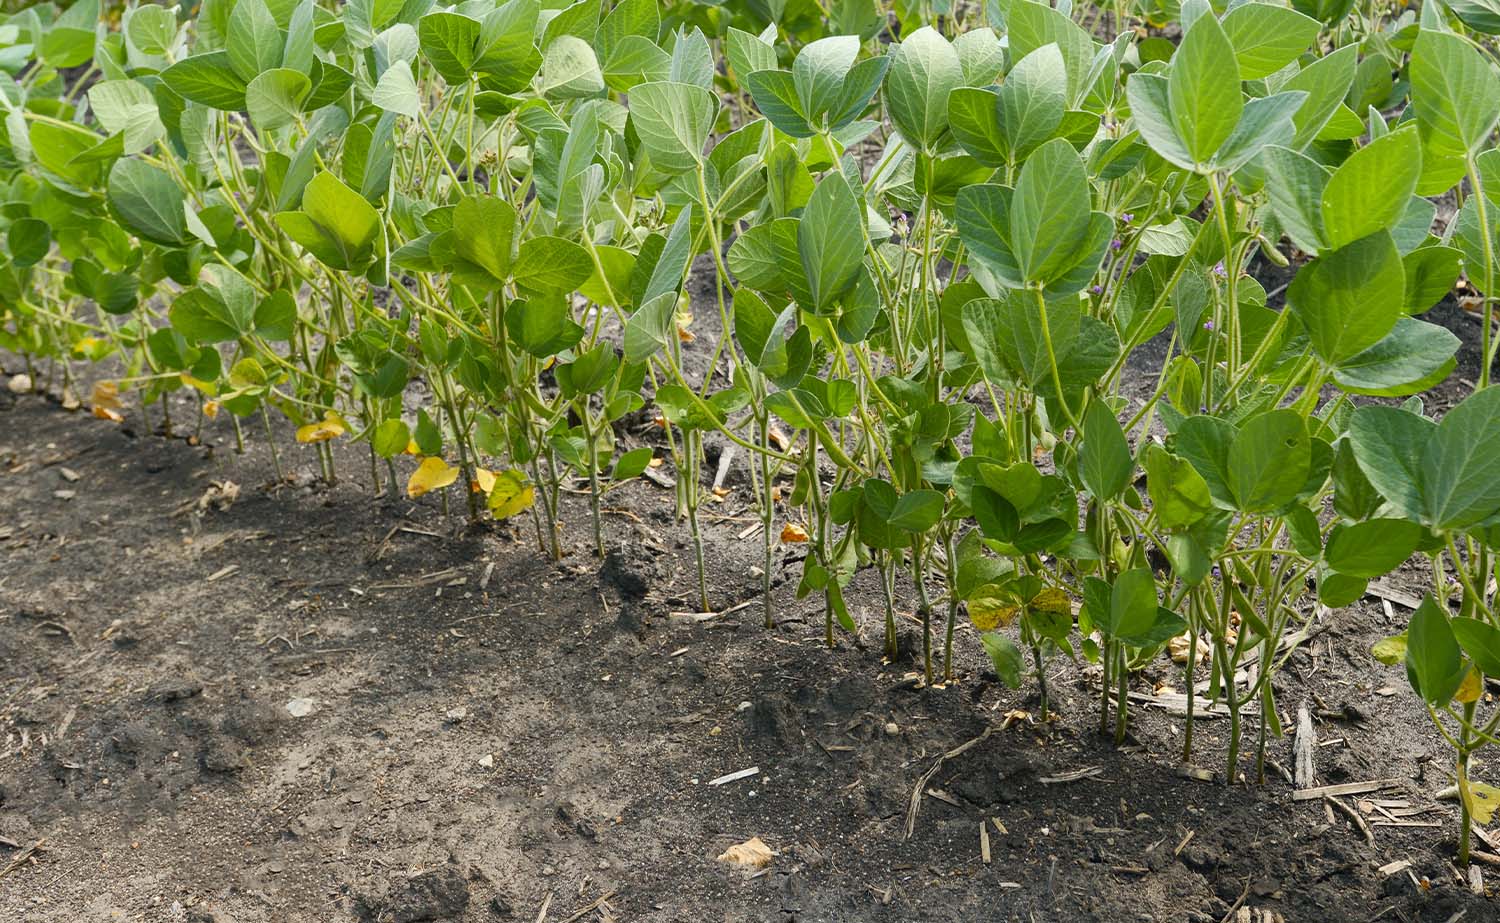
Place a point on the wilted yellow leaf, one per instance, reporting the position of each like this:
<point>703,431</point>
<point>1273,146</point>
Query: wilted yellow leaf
<point>1177,649</point>
<point>749,855</point>
<point>1470,689</point>
<point>106,394</point>
<point>1390,651</point>
<point>432,474</point>
<point>330,427</point>
<point>511,494</point>
<point>484,481</point>
<point>793,533</point>
<point>211,409</point>
<point>1481,798</point>
<point>412,448</point>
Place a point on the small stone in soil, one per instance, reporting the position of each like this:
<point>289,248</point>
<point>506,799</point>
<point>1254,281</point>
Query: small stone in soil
<point>441,894</point>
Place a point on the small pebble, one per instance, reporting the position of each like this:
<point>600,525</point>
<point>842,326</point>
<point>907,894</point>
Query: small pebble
<point>892,729</point>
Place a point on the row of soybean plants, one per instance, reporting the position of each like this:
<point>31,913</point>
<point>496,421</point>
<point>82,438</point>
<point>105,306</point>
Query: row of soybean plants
<point>937,233</point>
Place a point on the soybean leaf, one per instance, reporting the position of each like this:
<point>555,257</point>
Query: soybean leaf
<point>924,70</point>
<point>207,79</point>
<point>254,42</point>
<point>149,201</point>
<point>1203,89</point>
<point>673,121</point>
<point>1371,548</point>
<point>337,225</point>
<point>1179,495</point>
<point>1388,444</point>
<point>1371,189</point>
<point>830,241</point>
<point>396,91</point>
<point>1460,480</point>
<point>1267,38</point>
<point>1032,100</point>
<point>1454,91</point>
<point>1434,664</point>
<point>1104,461</point>
<point>551,264</point>
<point>1270,461</point>
<point>1349,299</point>
<point>274,99</point>
<point>1481,641</point>
<point>1413,357</point>
<point>484,230</point>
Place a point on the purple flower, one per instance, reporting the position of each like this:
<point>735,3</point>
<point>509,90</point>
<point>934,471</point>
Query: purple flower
<point>1219,269</point>
<point>1097,289</point>
<point>1216,571</point>
<point>1116,244</point>
<point>1208,325</point>
<point>1127,217</point>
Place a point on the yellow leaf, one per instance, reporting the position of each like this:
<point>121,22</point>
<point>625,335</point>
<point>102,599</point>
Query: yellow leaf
<point>793,533</point>
<point>1053,600</point>
<point>211,409</point>
<point>1482,800</point>
<point>989,612</point>
<point>107,395</point>
<point>412,448</point>
<point>511,494</point>
<point>484,481</point>
<point>330,427</point>
<point>432,474</point>
<point>1470,689</point>
<point>749,855</point>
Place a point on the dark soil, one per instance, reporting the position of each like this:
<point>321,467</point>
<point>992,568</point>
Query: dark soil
<point>485,735</point>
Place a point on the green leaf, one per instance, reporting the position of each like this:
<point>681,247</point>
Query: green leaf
<point>1430,274</point>
<point>818,75</point>
<point>543,326</point>
<point>1132,605</point>
<point>1388,444</point>
<point>552,264</point>
<point>1151,110</point>
<point>1434,664</point>
<point>1032,101</point>
<point>274,99</point>
<point>1270,461</point>
<point>337,225</point>
<point>396,91</point>
<point>974,117</point>
<point>254,42</point>
<point>775,95</point>
<point>1005,657</point>
<point>1295,183</point>
<point>451,42</point>
<point>745,53</point>
<point>207,79</point>
<point>1454,91</point>
<point>149,201</point>
<point>1325,81</point>
<point>1349,299</point>
<point>1032,25</point>
<point>651,328</point>
<point>1481,641</point>
<point>831,241</point>
<point>28,241</point>
<point>1104,460</point>
<point>1179,495</point>
<point>1372,548</point>
<point>570,70</point>
<point>1204,89</point>
<point>484,231</point>
<point>917,511</point>
<point>1460,479</point>
<point>1413,357</point>
<point>924,70</point>
<point>1267,38</point>
<point>1049,212</point>
<point>1370,191</point>
<point>673,121</point>
<point>127,106</point>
